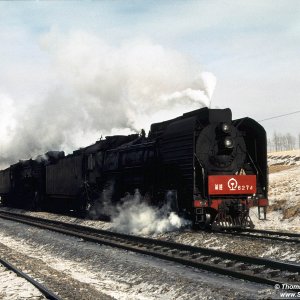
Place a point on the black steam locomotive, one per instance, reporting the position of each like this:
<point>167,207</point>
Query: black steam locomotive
<point>214,167</point>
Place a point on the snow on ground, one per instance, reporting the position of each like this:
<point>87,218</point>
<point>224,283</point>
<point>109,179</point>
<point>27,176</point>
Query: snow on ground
<point>218,241</point>
<point>125,275</point>
<point>283,214</point>
<point>122,274</point>
<point>14,287</point>
<point>284,193</point>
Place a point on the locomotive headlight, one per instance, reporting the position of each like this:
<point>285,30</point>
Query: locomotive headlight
<point>225,128</point>
<point>228,142</point>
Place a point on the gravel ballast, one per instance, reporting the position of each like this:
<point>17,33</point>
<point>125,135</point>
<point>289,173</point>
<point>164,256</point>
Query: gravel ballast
<point>116,273</point>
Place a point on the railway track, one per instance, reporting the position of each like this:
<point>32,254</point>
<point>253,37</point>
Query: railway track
<point>287,237</point>
<point>253,269</point>
<point>44,290</point>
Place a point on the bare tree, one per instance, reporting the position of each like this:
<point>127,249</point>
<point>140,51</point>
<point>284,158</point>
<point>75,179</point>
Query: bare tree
<point>270,145</point>
<point>282,142</point>
<point>275,141</point>
<point>290,141</point>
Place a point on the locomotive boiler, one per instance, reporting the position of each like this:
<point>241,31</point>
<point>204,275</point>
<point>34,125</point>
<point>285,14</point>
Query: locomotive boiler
<point>214,168</point>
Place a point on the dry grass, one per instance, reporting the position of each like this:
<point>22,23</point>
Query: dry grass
<point>278,205</point>
<point>291,212</point>
<point>289,152</point>
<point>279,168</point>
<point>287,212</point>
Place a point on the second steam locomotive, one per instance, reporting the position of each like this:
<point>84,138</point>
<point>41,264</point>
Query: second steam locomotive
<point>214,168</point>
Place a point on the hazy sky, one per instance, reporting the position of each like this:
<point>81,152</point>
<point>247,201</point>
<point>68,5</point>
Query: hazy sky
<point>50,51</point>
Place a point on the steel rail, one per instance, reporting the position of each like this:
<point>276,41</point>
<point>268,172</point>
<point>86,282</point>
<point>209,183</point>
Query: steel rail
<point>266,234</point>
<point>48,294</point>
<point>253,269</point>
<point>281,233</point>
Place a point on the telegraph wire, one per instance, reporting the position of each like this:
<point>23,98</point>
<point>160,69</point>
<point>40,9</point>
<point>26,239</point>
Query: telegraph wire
<point>279,116</point>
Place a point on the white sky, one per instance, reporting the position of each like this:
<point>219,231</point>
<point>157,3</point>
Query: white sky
<point>252,47</point>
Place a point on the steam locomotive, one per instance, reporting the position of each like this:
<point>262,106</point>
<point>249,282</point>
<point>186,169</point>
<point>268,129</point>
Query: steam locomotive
<point>214,168</point>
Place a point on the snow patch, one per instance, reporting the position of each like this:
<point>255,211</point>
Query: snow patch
<point>284,194</point>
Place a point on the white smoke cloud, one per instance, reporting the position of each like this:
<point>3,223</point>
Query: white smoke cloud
<point>209,83</point>
<point>7,126</point>
<point>135,216</point>
<point>100,89</point>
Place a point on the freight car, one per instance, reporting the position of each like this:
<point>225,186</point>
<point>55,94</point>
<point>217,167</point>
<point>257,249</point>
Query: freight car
<point>214,168</point>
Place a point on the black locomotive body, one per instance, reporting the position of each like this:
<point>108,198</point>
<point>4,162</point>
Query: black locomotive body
<point>22,183</point>
<point>214,168</point>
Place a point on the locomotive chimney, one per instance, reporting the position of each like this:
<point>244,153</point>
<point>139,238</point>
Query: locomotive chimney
<point>220,115</point>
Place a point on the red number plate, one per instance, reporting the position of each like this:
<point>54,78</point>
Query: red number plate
<point>227,184</point>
